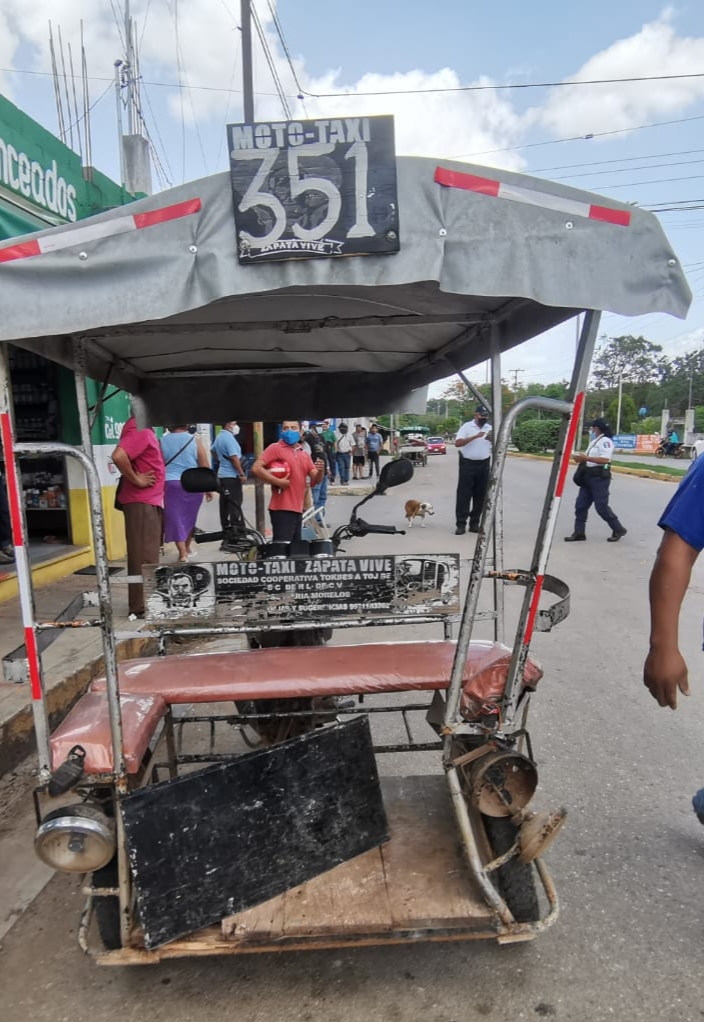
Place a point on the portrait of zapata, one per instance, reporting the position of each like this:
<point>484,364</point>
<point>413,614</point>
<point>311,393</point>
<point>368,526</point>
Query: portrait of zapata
<point>182,590</point>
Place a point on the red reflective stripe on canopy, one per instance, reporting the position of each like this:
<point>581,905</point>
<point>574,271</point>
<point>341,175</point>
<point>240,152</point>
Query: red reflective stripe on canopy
<point>21,251</point>
<point>610,216</point>
<point>469,182</point>
<point>160,216</point>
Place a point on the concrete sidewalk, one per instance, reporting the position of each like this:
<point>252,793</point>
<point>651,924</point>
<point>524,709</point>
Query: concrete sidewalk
<point>76,656</point>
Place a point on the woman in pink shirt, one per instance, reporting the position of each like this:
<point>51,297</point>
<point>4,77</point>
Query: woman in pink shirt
<point>140,462</point>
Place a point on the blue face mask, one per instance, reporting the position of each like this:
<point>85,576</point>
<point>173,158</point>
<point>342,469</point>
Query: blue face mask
<point>290,436</point>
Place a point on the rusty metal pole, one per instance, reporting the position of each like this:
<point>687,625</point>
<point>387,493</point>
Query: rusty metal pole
<point>248,111</point>
<point>259,517</point>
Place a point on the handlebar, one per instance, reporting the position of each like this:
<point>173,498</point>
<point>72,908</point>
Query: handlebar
<point>388,530</point>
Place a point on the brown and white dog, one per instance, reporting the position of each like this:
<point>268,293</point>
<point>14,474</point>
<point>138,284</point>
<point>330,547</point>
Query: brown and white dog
<point>417,509</point>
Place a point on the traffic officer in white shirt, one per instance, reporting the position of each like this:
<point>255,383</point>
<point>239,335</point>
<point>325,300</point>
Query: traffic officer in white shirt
<point>595,482</point>
<point>474,445</point>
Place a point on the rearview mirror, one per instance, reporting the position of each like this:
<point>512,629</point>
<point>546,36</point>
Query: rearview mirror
<point>199,480</point>
<point>394,473</point>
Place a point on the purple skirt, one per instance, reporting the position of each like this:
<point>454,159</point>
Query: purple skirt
<point>180,512</point>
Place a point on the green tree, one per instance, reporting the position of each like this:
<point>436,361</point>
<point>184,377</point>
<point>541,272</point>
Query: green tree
<point>629,414</point>
<point>631,359</point>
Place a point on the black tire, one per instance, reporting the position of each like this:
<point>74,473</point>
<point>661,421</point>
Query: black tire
<point>515,880</point>
<point>107,910</point>
<point>660,452</point>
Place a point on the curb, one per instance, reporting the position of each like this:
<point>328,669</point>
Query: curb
<point>642,473</point>
<point>350,491</point>
<point>17,739</point>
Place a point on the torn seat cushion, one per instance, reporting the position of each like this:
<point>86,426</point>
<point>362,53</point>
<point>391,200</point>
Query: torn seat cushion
<point>88,725</point>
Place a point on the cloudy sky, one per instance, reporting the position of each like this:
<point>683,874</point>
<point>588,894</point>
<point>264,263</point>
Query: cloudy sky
<point>646,141</point>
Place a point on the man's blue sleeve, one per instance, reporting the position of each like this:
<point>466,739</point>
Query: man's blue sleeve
<point>685,512</point>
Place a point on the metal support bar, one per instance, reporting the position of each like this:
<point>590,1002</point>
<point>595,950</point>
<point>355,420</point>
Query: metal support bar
<point>15,666</point>
<point>477,571</point>
<point>548,520</point>
<point>476,393</point>
<point>103,580</point>
<point>292,326</point>
<point>497,533</point>
<point>24,574</point>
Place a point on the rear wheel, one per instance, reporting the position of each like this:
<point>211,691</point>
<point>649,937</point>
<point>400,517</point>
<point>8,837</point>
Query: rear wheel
<point>515,880</point>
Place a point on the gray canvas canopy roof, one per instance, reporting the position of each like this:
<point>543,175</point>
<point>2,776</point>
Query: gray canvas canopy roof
<point>166,311</point>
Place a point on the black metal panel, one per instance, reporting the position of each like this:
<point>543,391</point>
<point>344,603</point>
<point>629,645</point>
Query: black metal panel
<point>314,189</point>
<point>229,837</point>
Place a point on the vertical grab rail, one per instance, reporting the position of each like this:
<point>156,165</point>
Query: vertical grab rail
<point>24,574</point>
<point>548,521</point>
<point>481,550</point>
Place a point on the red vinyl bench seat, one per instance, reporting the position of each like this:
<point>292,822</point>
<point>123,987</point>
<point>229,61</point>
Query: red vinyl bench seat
<point>149,685</point>
<point>88,725</point>
<point>296,672</point>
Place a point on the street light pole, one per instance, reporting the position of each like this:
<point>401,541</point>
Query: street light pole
<point>620,396</point>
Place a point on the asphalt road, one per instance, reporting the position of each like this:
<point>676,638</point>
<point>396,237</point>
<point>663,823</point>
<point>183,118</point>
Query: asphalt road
<point>629,865</point>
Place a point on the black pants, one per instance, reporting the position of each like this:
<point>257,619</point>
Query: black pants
<point>230,503</point>
<point>594,491</point>
<point>285,526</point>
<point>373,457</point>
<point>471,490</point>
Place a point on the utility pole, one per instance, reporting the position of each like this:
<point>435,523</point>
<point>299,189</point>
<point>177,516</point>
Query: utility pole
<point>620,398</point>
<point>135,165</point>
<point>515,377</point>
<point>248,112</point>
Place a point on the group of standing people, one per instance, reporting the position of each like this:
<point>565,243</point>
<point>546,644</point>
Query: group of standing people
<point>156,507</point>
<point>359,450</point>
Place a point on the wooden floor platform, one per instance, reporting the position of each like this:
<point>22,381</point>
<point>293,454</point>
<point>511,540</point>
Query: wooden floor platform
<point>415,887</point>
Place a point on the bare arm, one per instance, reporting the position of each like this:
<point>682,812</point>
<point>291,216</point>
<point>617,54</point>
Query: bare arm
<point>315,477</point>
<point>665,671</point>
<point>140,479</point>
<point>202,452</point>
<point>203,461</point>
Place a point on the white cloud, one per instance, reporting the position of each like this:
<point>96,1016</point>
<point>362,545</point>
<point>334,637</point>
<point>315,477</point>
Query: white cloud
<point>655,50</point>
<point>439,124</point>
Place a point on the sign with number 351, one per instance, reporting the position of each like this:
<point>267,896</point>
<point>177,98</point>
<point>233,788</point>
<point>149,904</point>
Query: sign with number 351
<point>314,189</point>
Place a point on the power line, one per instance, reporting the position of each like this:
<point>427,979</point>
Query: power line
<point>657,181</point>
<point>513,85</point>
<point>620,159</point>
<point>270,61</point>
<point>284,46</point>
<point>628,170</point>
<point>578,138</point>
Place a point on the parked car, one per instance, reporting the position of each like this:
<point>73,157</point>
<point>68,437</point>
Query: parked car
<point>696,449</point>
<point>436,445</point>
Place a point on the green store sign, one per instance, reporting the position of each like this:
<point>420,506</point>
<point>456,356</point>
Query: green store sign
<point>45,175</point>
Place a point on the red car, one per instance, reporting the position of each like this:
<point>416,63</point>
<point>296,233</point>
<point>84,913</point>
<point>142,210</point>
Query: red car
<point>436,445</point>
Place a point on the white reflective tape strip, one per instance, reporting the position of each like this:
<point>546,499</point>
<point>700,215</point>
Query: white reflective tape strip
<point>84,235</point>
<point>22,570</point>
<point>544,199</point>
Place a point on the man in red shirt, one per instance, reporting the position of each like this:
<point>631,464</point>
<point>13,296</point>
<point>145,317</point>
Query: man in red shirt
<point>139,459</point>
<point>288,495</point>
